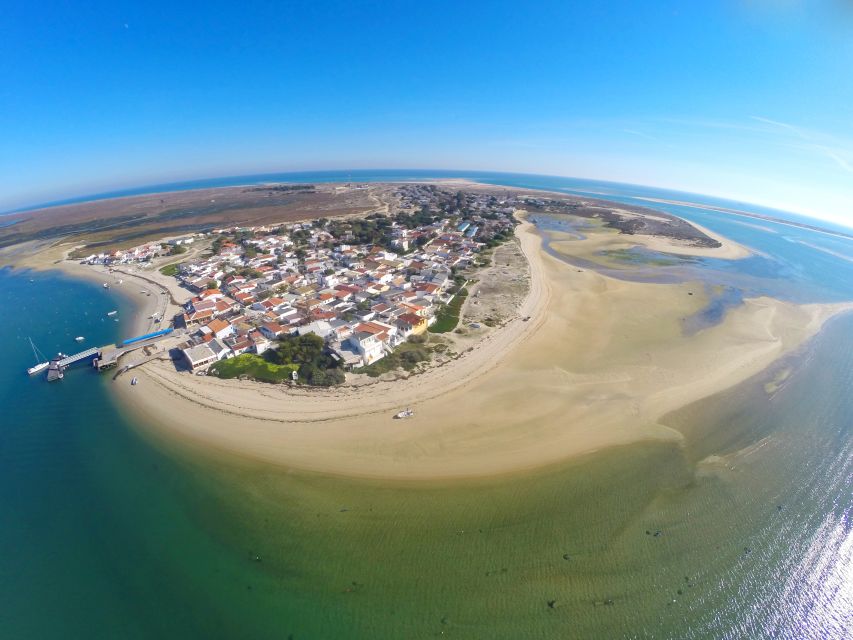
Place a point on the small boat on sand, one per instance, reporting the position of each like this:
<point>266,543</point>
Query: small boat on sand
<point>134,381</point>
<point>405,413</point>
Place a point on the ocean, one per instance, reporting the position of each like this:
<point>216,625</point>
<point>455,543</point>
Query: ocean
<point>108,530</point>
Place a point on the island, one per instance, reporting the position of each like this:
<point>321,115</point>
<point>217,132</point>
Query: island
<point>308,319</point>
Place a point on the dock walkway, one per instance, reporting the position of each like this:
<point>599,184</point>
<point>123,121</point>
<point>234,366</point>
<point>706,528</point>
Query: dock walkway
<point>88,353</point>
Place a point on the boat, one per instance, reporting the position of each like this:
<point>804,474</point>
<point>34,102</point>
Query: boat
<point>106,286</point>
<point>79,338</point>
<point>55,370</point>
<point>120,281</point>
<point>405,413</point>
<point>41,362</point>
<point>111,313</point>
<point>41,366</point>
<point>134,381</point>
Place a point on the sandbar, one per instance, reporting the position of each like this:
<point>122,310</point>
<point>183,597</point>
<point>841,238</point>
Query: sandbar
<point>598,364</point>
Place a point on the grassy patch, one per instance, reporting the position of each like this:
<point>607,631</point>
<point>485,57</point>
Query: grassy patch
<point>253,366</point>
<point>406,356</point>
<point>636,256</point>
<point>169,270</point>
<point>448,317</point>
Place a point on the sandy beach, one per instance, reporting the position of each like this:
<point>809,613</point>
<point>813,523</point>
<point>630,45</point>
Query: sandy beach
<point>600,362</point>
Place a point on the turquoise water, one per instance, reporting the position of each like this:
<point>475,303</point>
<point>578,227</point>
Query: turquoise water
<point>107,531</point>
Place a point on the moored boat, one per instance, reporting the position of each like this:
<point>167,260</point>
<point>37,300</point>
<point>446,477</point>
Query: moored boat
<point>41,363</point>
<point>406,413</point>
<point>41,366</point>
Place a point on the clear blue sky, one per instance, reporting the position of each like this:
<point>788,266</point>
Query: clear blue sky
<point>751,100</point>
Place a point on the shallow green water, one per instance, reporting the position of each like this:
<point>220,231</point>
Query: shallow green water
<point>757,544</point>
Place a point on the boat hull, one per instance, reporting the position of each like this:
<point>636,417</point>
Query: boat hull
<point>38,368</point>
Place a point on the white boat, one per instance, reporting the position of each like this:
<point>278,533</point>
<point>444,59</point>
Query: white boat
<point>41,366</point>
<point>405,413</point>
<point>41,363</point>
<point>106,286</point>
<point>111,313</point>
<point>79,338</point>
<point>120,281</point>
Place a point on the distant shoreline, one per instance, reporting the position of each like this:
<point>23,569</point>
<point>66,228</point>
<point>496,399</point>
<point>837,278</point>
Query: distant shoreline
<point>756,216</point>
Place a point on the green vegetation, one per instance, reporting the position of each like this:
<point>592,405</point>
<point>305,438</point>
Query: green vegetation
<point>499,238</point>
<point>170,269</point>
<point>308,354</point>
<point>448,316</point>
<point>252,366</point>
<point>636,257</point>
<point>406,356</point>
<point>374,229</point>
<point>304,354</point>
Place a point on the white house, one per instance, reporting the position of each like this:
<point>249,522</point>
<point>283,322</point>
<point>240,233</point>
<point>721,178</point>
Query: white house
<point>368,347</point>
<point>199,357</point>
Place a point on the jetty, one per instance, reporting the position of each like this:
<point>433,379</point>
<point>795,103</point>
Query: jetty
<point>107,357</point>
<point>88,353</point>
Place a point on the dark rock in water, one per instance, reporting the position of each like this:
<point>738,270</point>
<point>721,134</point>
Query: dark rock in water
<point>344,510</point>
<point>658,533</point>
<point>566,556</point>
<point>445,621</point>
<point>648,533</point>
<point>778,507</point>
<point>552,604</point>
<point>747,550</point>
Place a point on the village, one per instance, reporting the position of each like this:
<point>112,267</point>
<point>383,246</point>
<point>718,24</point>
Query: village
<point>308,301</point>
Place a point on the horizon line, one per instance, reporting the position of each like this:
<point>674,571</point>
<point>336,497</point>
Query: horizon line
<point>253,179</point>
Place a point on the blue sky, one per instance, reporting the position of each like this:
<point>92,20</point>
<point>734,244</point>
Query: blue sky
<point>748,100</point>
